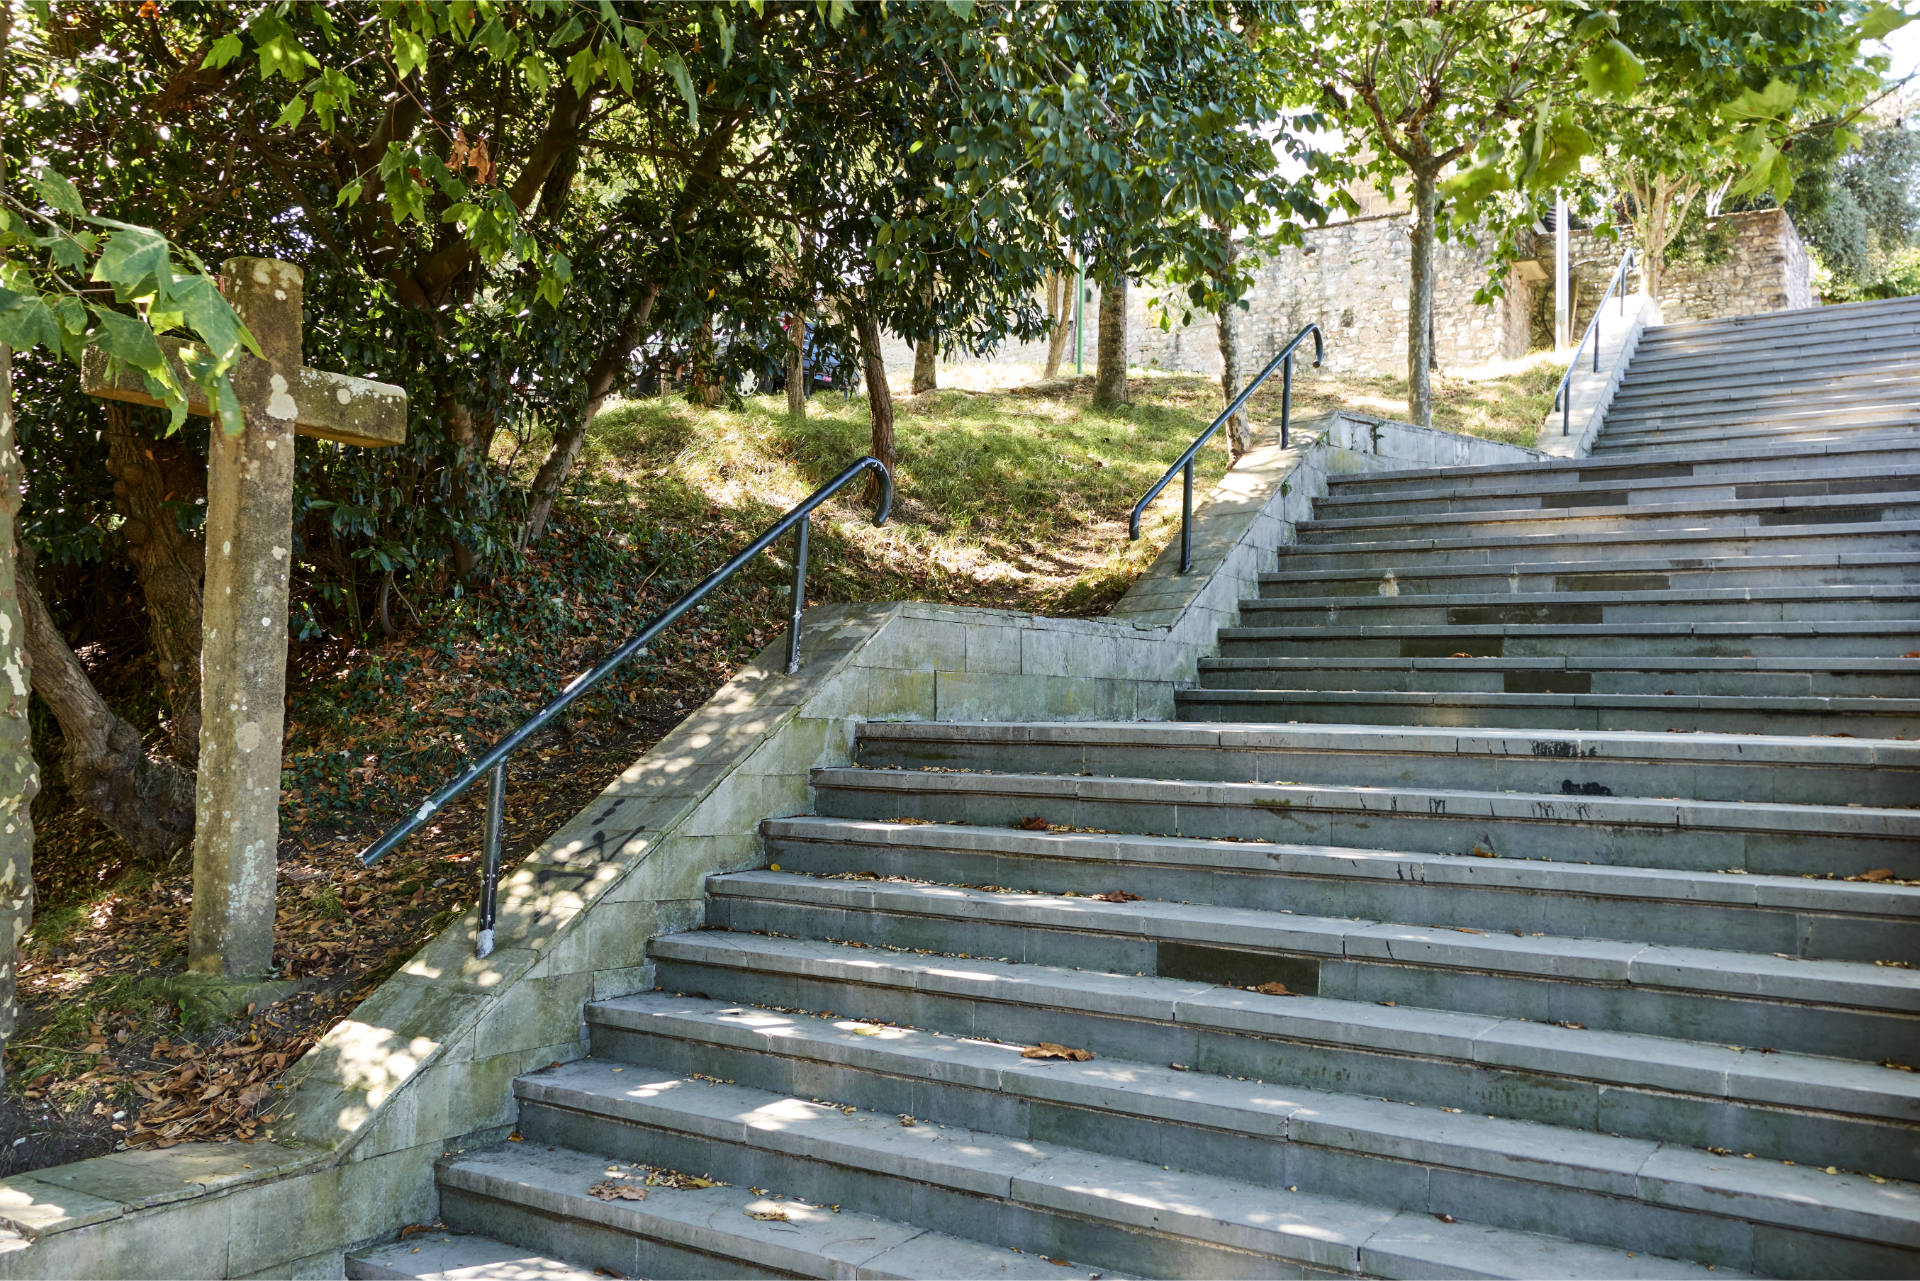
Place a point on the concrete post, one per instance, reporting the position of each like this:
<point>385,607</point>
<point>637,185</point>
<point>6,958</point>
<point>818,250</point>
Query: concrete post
<point>1562,293</point>
<point>244,636</point>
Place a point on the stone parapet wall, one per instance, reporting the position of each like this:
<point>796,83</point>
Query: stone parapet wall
<point>1757,263</point>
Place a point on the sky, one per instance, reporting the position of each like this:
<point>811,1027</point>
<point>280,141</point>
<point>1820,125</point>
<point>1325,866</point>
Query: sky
<point>1904,46</point>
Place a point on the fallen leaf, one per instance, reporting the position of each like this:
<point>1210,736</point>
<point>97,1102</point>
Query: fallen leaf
<point>1275,989</point>
<point>1034,824</point>
<point>768,1216</point>
<point>412,1228</point>
<point>1445,1218</point>
<point>609,1190</point>
<point>1050,1050</point>
<point>604,1271</point>
<point>1878,874</point>
<point>1115,896</point>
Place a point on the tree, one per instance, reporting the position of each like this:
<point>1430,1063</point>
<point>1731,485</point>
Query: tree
<point>1734,99</point>
<point>1859,209</point>
<point>1420,87</point>
<point>1060,304</point>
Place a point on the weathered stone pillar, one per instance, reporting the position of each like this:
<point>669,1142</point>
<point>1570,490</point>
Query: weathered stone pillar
<point>244,646</point>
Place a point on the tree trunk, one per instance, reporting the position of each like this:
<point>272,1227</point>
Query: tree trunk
<point>1653,256</point>
<point>926,364</point>
<point>472,437</point>
<point>879,395</point>
<point>1240,427</point>
<point>1059,319</point>
<point>601,378</point>
<point>797,364</point>
<point>703,383</point>
<point>19,779</point>
<point>1426,203</point>
<point>151,479</point>
<point>1110,376</point>
<point>146,800</point>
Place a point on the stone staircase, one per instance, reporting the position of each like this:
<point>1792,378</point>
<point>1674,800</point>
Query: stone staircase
<point>1525,890</point>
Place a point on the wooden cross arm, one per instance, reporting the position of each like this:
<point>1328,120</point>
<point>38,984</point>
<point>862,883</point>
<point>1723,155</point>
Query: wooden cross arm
<point>324,405</point>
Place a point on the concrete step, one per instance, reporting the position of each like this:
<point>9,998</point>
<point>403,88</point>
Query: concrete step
<point>1711,387</point>
<point>1399,554</point>
<point>1568,491</point>
<point>1872,638</point>
<point>1827,919</point>
<point>1681,833</point>
<point>1715,677</point>
<point>1729,767</point>
<point>1061,1201</point>
<point>1897,506</point>
<point>1712,604</point>
<point>1844,1009</point>
<point>1859,349</point>
<point>1757,431</point>
<point>1678,713</point>
<point>1651,573</point>
<point>721,1231</point>
<point>1131,1108</point>
<point>458,1256</point>
<point>1760,324</point>
<point>1837,408</point>
<point>1742,463</point>
<point>1513,1174</point>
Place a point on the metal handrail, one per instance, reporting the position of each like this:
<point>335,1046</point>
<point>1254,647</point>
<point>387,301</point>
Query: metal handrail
<point>1562,398</point>
<point>1283,361</point>
<point>493,761</point>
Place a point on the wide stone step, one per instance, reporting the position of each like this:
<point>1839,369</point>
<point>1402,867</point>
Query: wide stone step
<point>1652,573</point>
<point>1842,1008</point>
<point>1829,919</point>
<point>1712,387</point>
<point>1721,604</point>
<point>1739,462</point>
<point>1570,549</point>
<point>1126,1108</point>
<point>1041,1198</point>
<point>1897,402</point>
<point>1748,836</point>
<point>1732,767</point>
<point>1872,638</point>
<point>1756,431</point>
<point>1899,506</point>
<point>1569,491</point>
<point>721,1231</point>
<point>1861,348</point>
<point>1782,333</point>
<point>1850,678</point>
<point>1518,1175</point>
<point>1760,324</point>
<point>1677,713</point>
<point>458,1256</point>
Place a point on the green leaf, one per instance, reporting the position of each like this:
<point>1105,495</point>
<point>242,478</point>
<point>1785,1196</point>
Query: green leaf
<point>534,68</point>
<point>1880,21</point>
<point>678,70</point>
<point>1771,103</point>
<point>409,50</point>
<point>27,321</point>
<point>58,192</point>
<point>349,193</point>
<point>125,338</point>
<point>1611,70</point>
<point>291,114</point>
<point>225,50</point>
<point>211,318</point>
<point>279,51</point>
<point>135,262</point>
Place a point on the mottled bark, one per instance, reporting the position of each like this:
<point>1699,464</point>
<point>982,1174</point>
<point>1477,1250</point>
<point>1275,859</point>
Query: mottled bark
<point>602,377</point>
<point>1240,428</point>
<point>797,364</point>
<point>1110,375</point>
<point>19,778</point>
<point>703,382</point>
<point>926,365</point>
<point>152,479</point>
<point>1059,319</point>
<point>879,394</point>
<point>472,435</point>
<point>1426,204</point>
<point>146,800</point>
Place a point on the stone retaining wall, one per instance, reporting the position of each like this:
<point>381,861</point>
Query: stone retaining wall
<point>427,1062</point>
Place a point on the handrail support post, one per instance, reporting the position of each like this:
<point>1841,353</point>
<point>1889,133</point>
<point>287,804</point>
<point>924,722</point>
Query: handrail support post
<point>799,595</point>
<point>1186,517</point>
<point>490,873</point>
<point>1286,398</point>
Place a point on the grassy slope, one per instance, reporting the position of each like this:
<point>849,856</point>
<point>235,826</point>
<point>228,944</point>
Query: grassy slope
<point>1014,498</point>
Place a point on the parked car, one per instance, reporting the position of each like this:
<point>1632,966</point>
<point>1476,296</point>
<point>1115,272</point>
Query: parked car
<point>827,365</point>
